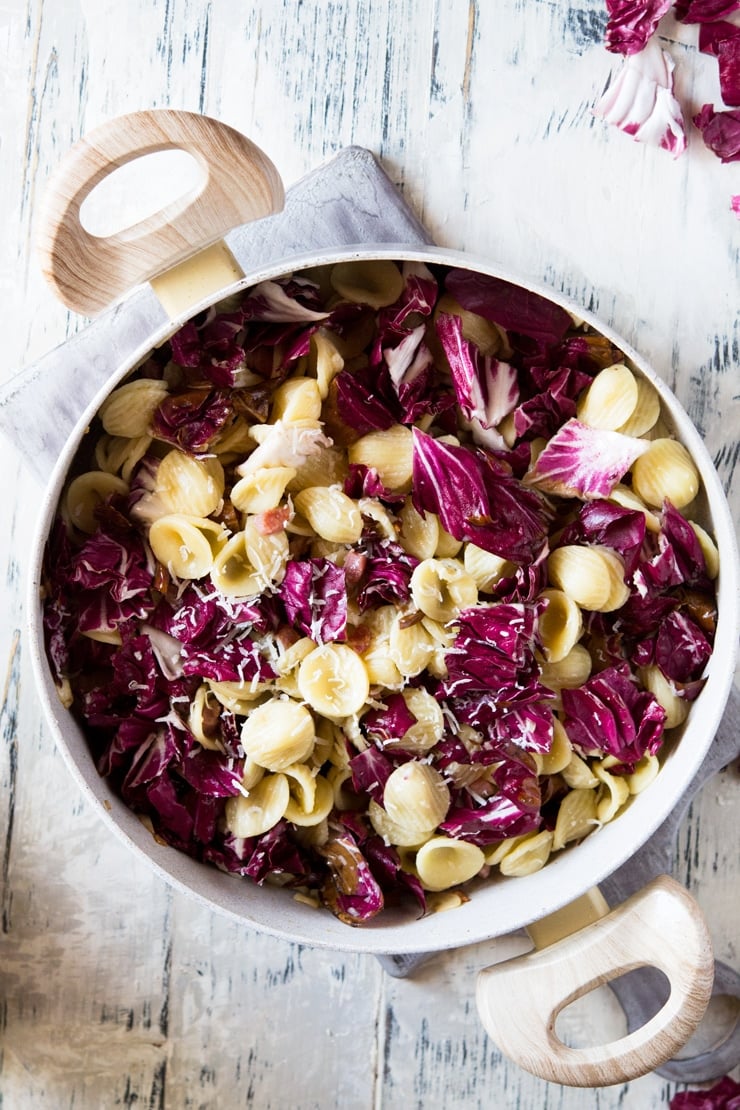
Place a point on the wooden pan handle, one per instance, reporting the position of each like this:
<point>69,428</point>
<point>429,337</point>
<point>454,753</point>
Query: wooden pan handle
<point>660,926</point>
<point>88,272</point>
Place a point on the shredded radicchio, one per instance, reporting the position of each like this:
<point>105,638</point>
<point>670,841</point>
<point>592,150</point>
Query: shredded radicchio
<point>163,672</point>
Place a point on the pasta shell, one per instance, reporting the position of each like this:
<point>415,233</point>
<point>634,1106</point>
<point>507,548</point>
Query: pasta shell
<point>610,400</point>
<point>334,681</point>
<point>88,491</point>
<point>416,796</point>
<point>390,452</point>
<point>440,588</point>
<point>665,471</point>
<point>676,708</point>
<point>443,862</point>
<point>189,485</point>
<point>645,413</point>
<point>278,733</point>
<point>331,514</point>
<point>528,855</point>
<point>262,808</point>
<point>186,545</point>
<point>592,576</point>
<point>560,626</point>
<point>296,399</point>
<point>128,411</point>
<point>376,283</point>
<point>576,818</point>
<point>419,534</point>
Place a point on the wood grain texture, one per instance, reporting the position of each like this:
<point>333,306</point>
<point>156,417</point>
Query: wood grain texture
<point>115,991</point>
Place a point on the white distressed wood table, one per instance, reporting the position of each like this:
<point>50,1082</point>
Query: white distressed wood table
<point>114,991</point>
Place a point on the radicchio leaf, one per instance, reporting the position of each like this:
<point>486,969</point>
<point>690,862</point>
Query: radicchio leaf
<point>603,522</point>
<point>477,500</point>
<point>704,11</point>
<point>641,103</point>
<point>191,419</point>
<point>486,389</point>
<point>611,715</point>
<point>581,461</point>
<point>681,648</point>
<point>513,811</point>
<point>632,22</point>
<point>315,598</point>
<point>724,1095</point>
<point>720,131</point>
<point>510,306</point>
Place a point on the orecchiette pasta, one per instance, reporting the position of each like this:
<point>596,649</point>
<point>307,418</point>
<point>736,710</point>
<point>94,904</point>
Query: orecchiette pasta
<point>331,513</point>
<point>576,817</point>
<point>325,360</point>
<point>593,577</point>
<point>87,492</point>
<point>440,588</point>
<point>250,562</point>
<point>610,400</point>
<point>333,680</point>
<point>278,733</point>
<point>676,708</point>
<point>665,471</point>
<point>187,545</point>
<point>376,283</point>
<point>258,809</point>
<point>416,797</point>
<point>389,452</point>
<point>188,485</point>
<point>130,408</point>
<point>443,862</point>
<point>262,490</point>
<point>560,625</point>
<point>529,854</point>
<point>419,534</point>
<point>645,413</point>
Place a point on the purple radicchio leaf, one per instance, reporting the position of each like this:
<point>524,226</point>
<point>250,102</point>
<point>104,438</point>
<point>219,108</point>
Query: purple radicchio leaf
<point>704,11</point>
<point>211,773</point>
<point>510,306</point>
<point>632,22</point>
<point>172,818</point>
<point>553,402</point>
<point>477,499</point>
<point>640,101</point>
<point>486,389</point>
<point>274,853</point>
<point>724,1095</point>
<point>385,574</point>
<point>314,594</point>
<point>712,34</point>
<point>191,419</point>
<point>681,648</point>
<point>604,523</point>
<point>686,548</point>
<point>388,722</point>
<point>364,481</point>
<point>720,131</point>
<point>611,715</point>
<point>512,811</point>
<point>581,461</point>
<point>239,659</point>
<point>359,405</point>
<point>350,891</point>
<point>370,772</point>
<point>287,301</point>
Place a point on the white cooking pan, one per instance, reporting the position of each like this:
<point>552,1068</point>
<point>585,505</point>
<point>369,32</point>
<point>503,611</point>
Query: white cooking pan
<point>182,253</point>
